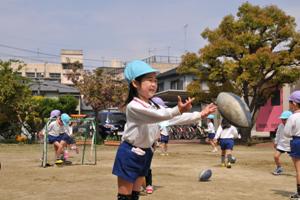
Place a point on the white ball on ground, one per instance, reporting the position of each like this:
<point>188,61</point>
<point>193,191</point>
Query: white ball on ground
<point>205,175</point>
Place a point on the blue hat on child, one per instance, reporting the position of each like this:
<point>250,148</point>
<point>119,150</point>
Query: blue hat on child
<point>210,116</point>
<point>137,68</point>
<point>286,114</point>
<point>65,118</point>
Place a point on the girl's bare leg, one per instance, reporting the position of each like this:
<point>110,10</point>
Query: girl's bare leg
<point>124,187</point>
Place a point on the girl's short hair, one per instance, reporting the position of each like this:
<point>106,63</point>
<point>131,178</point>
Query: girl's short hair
<point>225,123</point>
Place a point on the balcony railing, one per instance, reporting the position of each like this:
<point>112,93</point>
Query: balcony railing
<point>163,59</point>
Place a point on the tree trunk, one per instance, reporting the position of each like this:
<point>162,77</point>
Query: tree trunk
<point>246,136</point>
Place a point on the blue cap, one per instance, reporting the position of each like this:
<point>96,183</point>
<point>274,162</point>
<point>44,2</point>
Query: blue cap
<point>295,96</point>
<point>65,118</point>
<point>210,116</point>
<point>137,68</point>
<point>286,114</point>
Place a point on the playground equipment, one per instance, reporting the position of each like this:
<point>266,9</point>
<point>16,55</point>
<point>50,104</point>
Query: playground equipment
<point>84,133</point>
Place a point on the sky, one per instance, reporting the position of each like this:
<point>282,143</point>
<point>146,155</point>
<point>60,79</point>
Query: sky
<point>108,30</point>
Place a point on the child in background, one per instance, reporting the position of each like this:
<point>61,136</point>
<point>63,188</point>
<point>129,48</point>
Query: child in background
<point>54,114</point>
<point>226,133</point>
<point>147,183</point>
<point>211,132</point>
<point>292,130</point>
<point>58,135</point>
<point>72,141</point>
<point>164,138</point>
<point>281,142</point>
<point>134,154</point>
<point>164,133</point>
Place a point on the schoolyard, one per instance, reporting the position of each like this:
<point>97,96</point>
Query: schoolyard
<point>174,176</point>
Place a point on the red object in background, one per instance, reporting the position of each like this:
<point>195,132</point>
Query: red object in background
<point>268,116</point>
<point>78,116</point>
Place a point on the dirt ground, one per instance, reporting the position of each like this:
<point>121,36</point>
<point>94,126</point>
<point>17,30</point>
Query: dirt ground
<point>174,176</point>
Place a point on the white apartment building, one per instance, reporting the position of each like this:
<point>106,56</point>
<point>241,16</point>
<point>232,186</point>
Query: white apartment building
<point>53,71</point>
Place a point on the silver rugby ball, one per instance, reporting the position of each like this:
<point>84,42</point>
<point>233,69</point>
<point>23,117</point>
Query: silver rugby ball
<point>205,175</point>
<point>234,109</point>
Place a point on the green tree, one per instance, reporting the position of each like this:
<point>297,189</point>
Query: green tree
<point>36,119</point>
<point>15,98</point>
<point>68,104</point>
<point>46,105</point>
<point>100,90</point>
<point>42,107</point>
<point>251,54</point>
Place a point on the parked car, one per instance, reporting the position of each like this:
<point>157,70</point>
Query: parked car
<point>111,123</point>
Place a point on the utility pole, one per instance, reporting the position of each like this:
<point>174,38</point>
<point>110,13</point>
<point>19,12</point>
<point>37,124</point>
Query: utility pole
<point>79,105</point>
<point>39,87</point>
<point>38,82</point>
<point>185,36</point>
<point>168,54</point>
<point>45,69</point>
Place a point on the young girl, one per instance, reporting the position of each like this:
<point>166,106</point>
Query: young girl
<point>281,142</point>
<point>58,135</point>
<point>134,153</point>
<point>164,133</point>
<point>211,132</point>
<point>292,130</point>
<point>164,140</point>
<point>226,132</point>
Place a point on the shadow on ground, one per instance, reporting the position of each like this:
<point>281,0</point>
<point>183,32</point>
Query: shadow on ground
<point>282,193</point>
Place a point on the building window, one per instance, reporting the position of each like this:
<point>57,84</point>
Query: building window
<point>39,75</point>
<point>30,74</point>
<point>55,75</point>
<point>72,65</point>
<point>177,85</point>
<point>275,99</point>
<point>160,87</point>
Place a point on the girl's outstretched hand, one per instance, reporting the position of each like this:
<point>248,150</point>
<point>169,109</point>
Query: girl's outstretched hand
<point>211,108</point>
<point>186,106</point>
